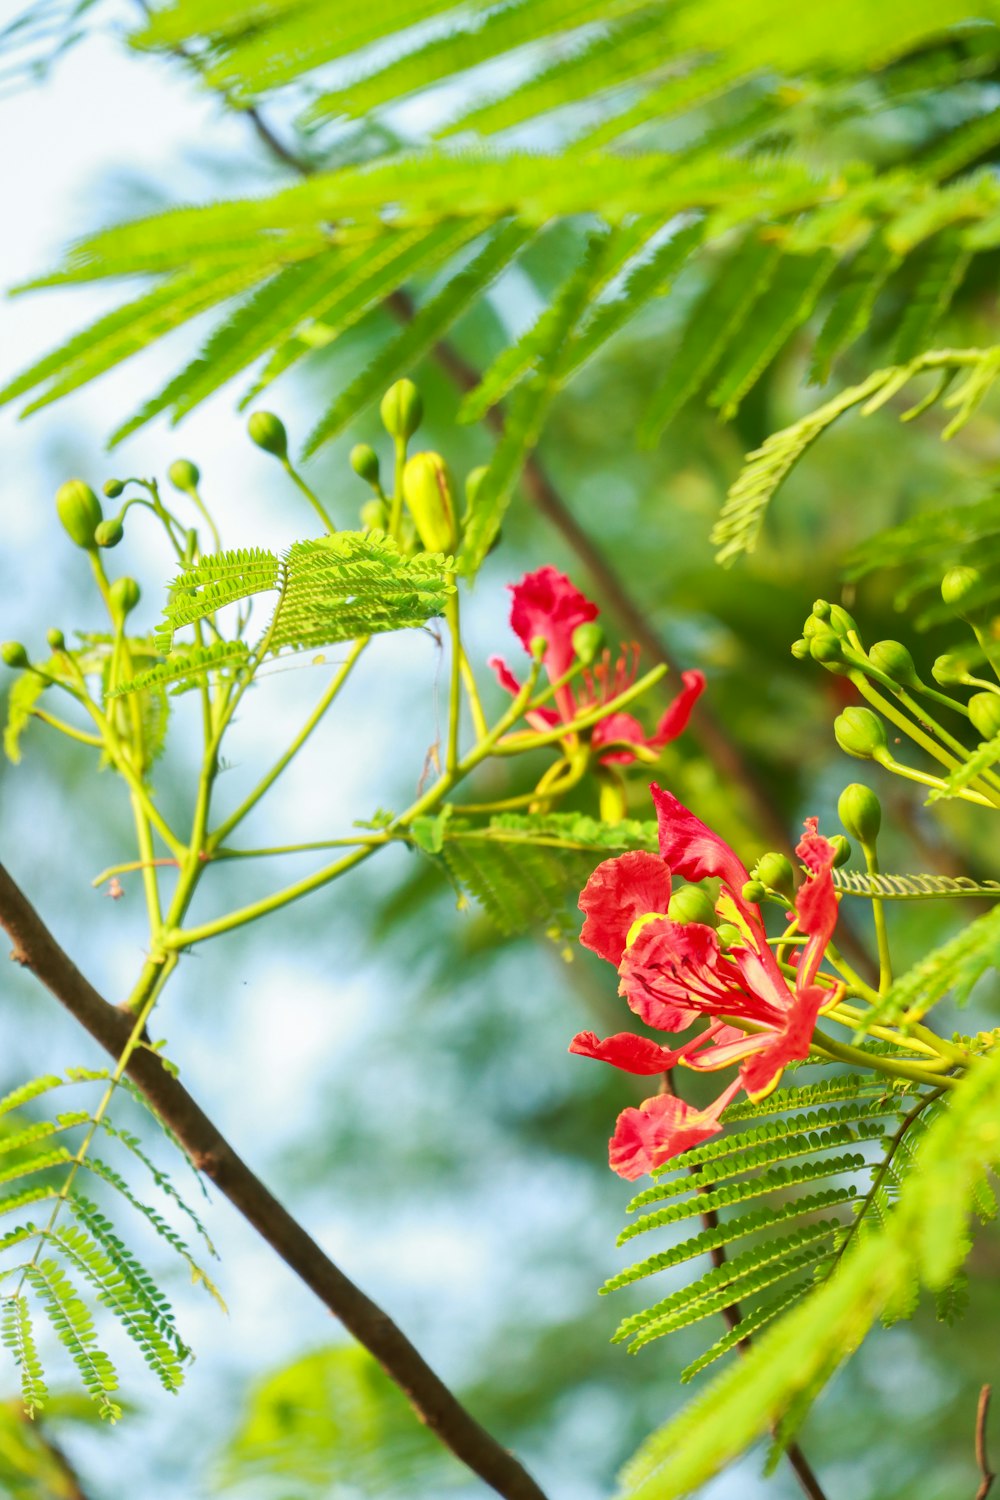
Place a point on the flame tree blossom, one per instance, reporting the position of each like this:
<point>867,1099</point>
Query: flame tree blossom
<point>546,605</point>
<point>675,974</point>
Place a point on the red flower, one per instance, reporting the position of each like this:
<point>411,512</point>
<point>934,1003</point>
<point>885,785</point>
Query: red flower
<point>546,604</point>
<point>673,974</point>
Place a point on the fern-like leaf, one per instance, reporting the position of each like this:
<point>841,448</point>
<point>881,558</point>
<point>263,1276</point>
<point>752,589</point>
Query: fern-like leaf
<point>18,1337</point>
<point>911,887</point>
<point>68,1314</point>
<point>185,668</point>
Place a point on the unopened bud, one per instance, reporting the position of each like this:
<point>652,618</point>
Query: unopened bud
<point>125,595</point>
<point>113,488</point>
<point>364,462</point>
<point>859,732</point>
<point>984,712</point>
<point>841,850</point>
<point>402,410</point>
<point>775,870</point>
<point>268,432</point>
<point>56,639</point>
<point>13,654</point>
<point>79,510</point>
<point>374,515</point>
<point>800,649</point>
<point>729,936</point>
<point>860,812</point>
<point>109,533</point>
<point>428,495</point>
<point>948,671</point>
<point>537,647</point>
<point>184,475</point>
<point>957,584</point>
<point>689,903</point>
<point>826,646</point>
<point>754,891</point>
<point>588,641</point>
<point>892,659</point>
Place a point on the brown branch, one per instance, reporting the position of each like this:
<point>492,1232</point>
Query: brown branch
<point>37,950</point>
<point>982,1413</point>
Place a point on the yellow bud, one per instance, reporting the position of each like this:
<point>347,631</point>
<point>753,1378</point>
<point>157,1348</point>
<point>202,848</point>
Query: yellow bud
<point>428,495</point>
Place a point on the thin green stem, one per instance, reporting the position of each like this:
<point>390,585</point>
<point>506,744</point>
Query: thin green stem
<point>922,778</point>
<point>893,1067</point>
<point>396,508</point>
<point>150,883</point>
<point>451,613</point>
<point>266,782</point>
<point>878,917</point>
<point>522,742</point>
<point>479,724</point>
<point>914,731</point>
<point>313,499</point>
<point>67,729</point>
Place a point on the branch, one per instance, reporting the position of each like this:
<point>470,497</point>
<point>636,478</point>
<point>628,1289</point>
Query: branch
<point>982,1413</point>
<point>37,950</point>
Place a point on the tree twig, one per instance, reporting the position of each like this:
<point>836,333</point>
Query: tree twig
<point>982,1414</point>
<point>36,949</point>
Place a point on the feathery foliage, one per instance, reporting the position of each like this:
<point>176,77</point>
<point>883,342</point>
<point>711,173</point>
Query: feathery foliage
<point>923,1241</point>
<point>77,1245</point>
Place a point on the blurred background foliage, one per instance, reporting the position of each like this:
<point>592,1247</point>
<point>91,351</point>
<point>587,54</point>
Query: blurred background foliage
<point>391,1066</point>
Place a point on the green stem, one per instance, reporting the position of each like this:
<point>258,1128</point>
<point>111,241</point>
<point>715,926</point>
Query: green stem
<point>923,779</point>
<point>396,508</point>
<point>451,613</point>
<point>313,499</point>
<point>878,917</point>
<point>266,782</point>
<point>150,883</point>
<point>844,1052</point>
<point>594,715</point>
<point>67,729</point>
<point>479,724</point>
<point>915,733</point>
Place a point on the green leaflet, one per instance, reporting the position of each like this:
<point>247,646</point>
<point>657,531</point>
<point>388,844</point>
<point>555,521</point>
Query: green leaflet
<point>945,265</point>
<point>429,324</point>
<point>184,669</point>
<point>924,1240</point>
<point>714,324</point>
<point>912,887</point>
<point>523,869</point>
<point>956,965</point>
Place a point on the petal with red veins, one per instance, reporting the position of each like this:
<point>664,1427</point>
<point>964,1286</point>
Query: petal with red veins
<point>620,890</point>
<point>673,972</point>
<point>633,1054</point>
<point>790,1043</point>
<point>692,850</point>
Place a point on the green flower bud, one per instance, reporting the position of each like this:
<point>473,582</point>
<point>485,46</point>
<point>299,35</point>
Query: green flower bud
<point>56,639</point>
<point>184,475</point>
<point>800,649</point>
<point>268,432</point>
<point>840,620</point>
<point>125,595</point>
<point>957,584</point>
<point>13,654</point>
<point>402,409</point>
<point>729,936</point>
<point>689,903</point>
<point>754,891</point>
<point>893,660</point>
<point>775,870</point>
<point>364,462</point>
<point>984,712</point>
<point>109,533</point>
<point>860,812</point>
<point>113,488</point>
<point>859,732</point>
<point>821,609</point>
<point>842,850</point>
<point>537,647</point>
<point>948,671</point>
<point>374,515</point>
<point>588,641</point>
<point>825,646</point>
<point>428,495</point>
<point>79,510</point>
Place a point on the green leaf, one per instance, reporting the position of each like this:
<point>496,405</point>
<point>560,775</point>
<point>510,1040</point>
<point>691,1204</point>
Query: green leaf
<point>429,324</point>
<point>851,309</point>
<point>956,965</point>
<point>944,268</point>
<point>185,668</point>
<point>75,1329</point>
<point>17,1335</point>
<point>716,321</point>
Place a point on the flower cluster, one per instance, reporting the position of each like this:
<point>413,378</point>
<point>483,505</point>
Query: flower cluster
<point>546,605</point>
<point>676,973</point>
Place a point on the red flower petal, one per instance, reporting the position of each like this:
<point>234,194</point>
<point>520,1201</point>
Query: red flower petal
<point>660,1128</point>
<point>633,1054</point>
<point>816,902</point>
<point>618,727</point>
<point>620,890</point>
<point>790,1043</point>
<point>692,850</point>
<point>504,675</point>
<point>546,603</point>
<point>673,973</point>
<point>675,720</point>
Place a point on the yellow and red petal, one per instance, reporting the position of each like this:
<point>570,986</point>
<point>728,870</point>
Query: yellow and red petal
<point>619,891</point>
